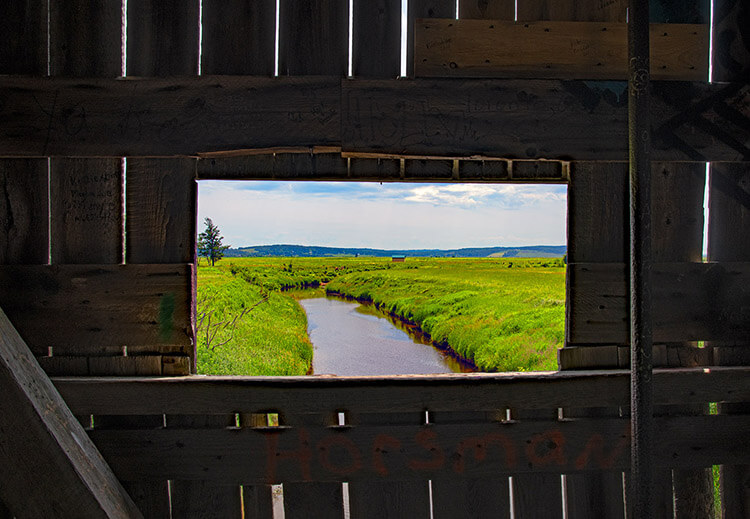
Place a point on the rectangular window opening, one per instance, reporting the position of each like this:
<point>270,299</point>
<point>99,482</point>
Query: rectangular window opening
<point>380,278</point>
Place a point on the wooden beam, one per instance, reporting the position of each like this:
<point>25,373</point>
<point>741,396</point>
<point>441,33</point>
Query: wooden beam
<point>554,50</point>
<point>539,119</point>
<point>50,467</point>
<point>414,452</point>
<point>691,301</point>
<point>167,116</point>
<point>98,309</point>
<point>501,118</point>
<point>486,392</point>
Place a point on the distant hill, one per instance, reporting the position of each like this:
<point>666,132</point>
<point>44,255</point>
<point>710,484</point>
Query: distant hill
<point>533,251</point>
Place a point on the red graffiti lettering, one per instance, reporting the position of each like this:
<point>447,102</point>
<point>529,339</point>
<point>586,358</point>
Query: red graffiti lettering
<point>595,448</point>
<point>546,448</point>
<point>428,439</point>
<point>479,446</point>
<point>302,455</point>
<point>326,445</point>
<point>380,446</point>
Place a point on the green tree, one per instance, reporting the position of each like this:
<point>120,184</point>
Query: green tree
<point>209,243</point>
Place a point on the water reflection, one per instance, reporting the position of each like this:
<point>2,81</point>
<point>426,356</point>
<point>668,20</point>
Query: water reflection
<point>353,339</point>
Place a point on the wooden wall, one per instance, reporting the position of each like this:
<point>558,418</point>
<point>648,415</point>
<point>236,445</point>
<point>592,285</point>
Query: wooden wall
<point>98,184</point>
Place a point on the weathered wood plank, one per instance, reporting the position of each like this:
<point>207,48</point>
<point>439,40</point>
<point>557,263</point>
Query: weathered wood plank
<point>313,37</point>
<point>731,57</point>
<point>525,170</point>
<point>417,9</point>
<point>238,37</point>
<point>428,169</point>
<point>302,166</point>
<point>538,495</point>
<point>677,211</point>
<point>163,117</point>
<point>98,309</point>
<point>686,11</point>
<point>85,194</point>
<point>160,223</point>
<point>487,9</point>
<point>384,497</point>
<point>554,50</point>
<point>24,215</point>
<point>597,212</point>
<point>377,169</point>
<point>603,11</point>
<point>691,301</point>
<point>23,44</point>
<point>376,38</point>
<point>482,170</point>
<point>486,392</point>
<point>465,497</point>
<point>505,118</point>
<point>677,235</point>
<point>163,37</point>
<point>151,497</point>
<point>204,499</point>
<point>729,212</point>
<point>257,501</point>
<point>86,211</point>
<point>85,38</point>
<point>300,498</point>
<point>536,119</point>
<point>50,467</point>
<point>413,452</point>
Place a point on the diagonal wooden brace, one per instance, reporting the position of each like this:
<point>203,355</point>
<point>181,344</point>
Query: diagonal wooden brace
<point>50,467</point>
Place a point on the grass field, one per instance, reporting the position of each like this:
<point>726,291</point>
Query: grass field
<point>503,314</point>
<point>270,338</point>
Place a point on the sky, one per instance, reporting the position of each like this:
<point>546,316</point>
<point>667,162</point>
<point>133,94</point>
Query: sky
<point>385,216</point>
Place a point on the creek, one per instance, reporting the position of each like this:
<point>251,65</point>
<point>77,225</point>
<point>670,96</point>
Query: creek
<point>350,338</point>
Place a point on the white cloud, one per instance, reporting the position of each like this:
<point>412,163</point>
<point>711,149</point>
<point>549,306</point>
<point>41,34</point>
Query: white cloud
<point>387,216</point>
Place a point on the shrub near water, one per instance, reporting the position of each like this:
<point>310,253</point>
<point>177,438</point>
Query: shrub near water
<point>269,339</point>
<point>504,315</point>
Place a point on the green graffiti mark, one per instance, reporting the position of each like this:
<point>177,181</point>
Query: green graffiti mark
<point>166,315</point>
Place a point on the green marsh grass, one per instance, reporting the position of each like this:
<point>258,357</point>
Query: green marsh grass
<point>503,314</point>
